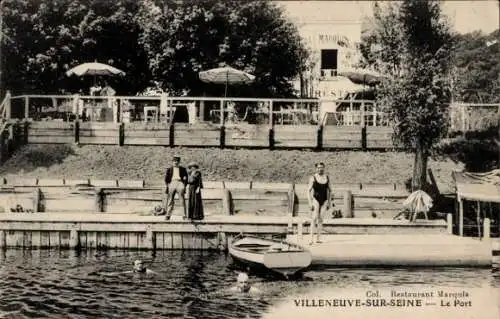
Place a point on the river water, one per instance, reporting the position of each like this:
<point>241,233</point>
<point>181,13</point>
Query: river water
<point>188,284</point>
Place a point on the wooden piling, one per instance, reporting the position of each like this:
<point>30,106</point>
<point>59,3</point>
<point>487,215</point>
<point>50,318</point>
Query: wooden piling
<point>37,194</point>
<point>150,238</point>
<point>486,228</point>
<point>291,207</point>
<point>121,134</point>
<point>460,217</point>
<point>222,241</point>
<point>449,223</point>
<point>227,206</point>
<point>2,239</point>
<point>77,132</point>
<point>74,240</point>
<point>99,200</point>
<point>348,203</point>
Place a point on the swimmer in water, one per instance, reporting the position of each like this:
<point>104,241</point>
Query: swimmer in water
<point>243,285</point>
<point>139,268</point>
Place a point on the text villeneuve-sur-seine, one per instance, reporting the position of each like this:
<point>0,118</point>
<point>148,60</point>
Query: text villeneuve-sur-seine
<point>396,298</point>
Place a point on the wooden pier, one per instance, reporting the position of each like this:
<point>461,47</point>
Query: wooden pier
<point>130,231</point>
<point>399,250</point>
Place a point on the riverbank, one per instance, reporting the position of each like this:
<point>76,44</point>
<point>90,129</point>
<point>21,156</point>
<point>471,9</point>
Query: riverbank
<point>149,163</point>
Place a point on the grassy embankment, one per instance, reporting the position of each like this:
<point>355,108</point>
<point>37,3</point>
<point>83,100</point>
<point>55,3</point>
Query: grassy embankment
<point>149,163</point>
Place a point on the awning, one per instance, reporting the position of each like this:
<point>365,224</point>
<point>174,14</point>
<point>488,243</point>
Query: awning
<point>484,187</point>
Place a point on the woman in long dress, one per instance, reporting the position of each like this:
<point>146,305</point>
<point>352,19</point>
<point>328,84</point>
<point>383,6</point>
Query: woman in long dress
<point>195,204</point>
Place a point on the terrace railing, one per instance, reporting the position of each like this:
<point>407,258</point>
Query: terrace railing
<point>220,111</point>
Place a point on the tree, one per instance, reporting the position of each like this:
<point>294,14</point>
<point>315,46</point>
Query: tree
<point>184,37</point>
<point>411,44</point>
<point>43,39</point>
<point>477,68</point>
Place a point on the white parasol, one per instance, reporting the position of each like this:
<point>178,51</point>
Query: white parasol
<point>94,68</point>
<point>418,202</point>
<point>226,75</point>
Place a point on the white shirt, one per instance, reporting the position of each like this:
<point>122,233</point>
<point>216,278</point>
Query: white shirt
<point>175,174</point>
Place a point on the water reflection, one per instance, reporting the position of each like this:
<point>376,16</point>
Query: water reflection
<point>189,284</point>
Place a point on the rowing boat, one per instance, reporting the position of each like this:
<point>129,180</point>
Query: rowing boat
<point>279,256</point>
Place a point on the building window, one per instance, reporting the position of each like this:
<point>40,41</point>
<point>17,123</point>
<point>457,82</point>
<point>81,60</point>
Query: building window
<point>329,59</point>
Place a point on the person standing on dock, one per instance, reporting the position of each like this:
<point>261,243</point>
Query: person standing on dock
<point>319,196</point>
<point>195,184</point>
<point>175,179</point>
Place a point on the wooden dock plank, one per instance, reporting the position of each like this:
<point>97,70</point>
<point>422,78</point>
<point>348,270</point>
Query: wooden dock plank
<point>177,242</point>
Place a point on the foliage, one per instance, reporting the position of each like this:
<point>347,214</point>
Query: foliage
<point>411,44</point>
<point>163,41</point>
<point>183,38</point>
<point>477,68</point>
<point>43,39</point>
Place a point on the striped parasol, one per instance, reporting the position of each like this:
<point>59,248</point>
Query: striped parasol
<point>226,75</point>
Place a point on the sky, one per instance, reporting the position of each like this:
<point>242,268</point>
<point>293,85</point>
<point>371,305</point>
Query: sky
<point>465,16</point>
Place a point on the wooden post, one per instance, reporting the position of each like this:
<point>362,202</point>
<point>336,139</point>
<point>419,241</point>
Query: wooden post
<point>271,138</point>
<point>460,217</point>
<point>487,228</point>
<point>201,116</point>
<point>271,124</point>
<point>227,207</point>
<point>462,111</point>
<point>74,240</point>
<point>77,131</point>
<point>25,132</point>
<point>26,107</point>
<point>3,239</point>
<point>171,134</point>
<point>37,194</point>
<point>222,136</point>
<point>150,238</point>
<point>222,112</point>
<point>291,207</point>
<point>76,106</point>
<point>99,200</point>
<point>8,106</point>
<point>449,224</point>
<point>348,199</point>
<point>319,137</point>
<point>363,138</point>
<point>363,122</point>
<point>221,241</point>
<point>121,134</point>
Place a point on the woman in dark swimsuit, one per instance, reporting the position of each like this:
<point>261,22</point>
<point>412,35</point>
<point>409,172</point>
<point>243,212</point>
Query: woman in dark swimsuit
<point>319,195</point>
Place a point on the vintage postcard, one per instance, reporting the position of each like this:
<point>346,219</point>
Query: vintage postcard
<point>249,159</point>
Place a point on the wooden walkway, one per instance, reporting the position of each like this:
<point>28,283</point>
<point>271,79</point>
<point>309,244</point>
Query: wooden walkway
<point>398,250</point>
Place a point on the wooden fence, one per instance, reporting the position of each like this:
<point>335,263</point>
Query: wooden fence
<point>219,198</point>
<point>210,135</point>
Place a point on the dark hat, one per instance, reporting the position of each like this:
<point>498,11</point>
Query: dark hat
<point>192,164</point>
<point>176,158</point>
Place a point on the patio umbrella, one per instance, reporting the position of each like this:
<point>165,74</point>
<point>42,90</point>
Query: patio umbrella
<point>226,75</point>
<point>94,68</point>
<point>362,76</point>
<point>418,202</point>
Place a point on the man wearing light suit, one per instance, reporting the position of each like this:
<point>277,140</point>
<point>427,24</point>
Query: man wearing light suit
<point>175,179</point>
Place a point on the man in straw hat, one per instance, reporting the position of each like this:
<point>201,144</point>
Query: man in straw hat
<point>175,180</point>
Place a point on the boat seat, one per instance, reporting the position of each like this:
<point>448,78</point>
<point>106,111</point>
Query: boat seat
<point>279,247</point>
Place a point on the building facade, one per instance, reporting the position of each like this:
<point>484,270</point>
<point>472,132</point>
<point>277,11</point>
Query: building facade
<point>332,33</point>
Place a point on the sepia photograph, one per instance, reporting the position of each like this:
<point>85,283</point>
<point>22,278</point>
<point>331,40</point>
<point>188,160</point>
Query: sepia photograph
<point>249,159</point>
